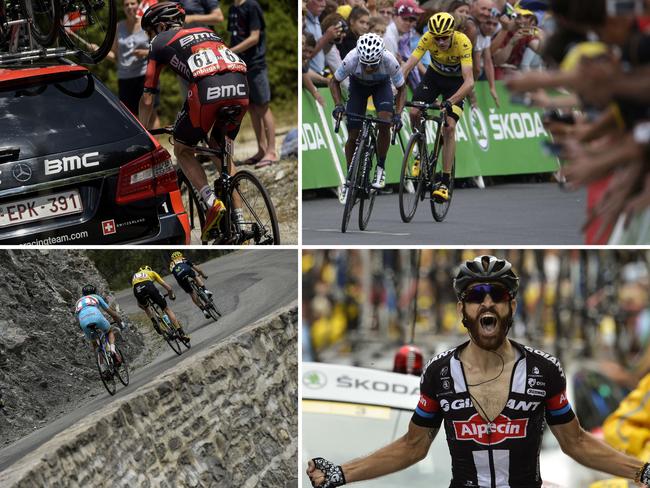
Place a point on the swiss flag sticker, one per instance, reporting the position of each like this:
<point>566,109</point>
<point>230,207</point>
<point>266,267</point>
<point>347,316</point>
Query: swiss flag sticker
<point>108,227</point>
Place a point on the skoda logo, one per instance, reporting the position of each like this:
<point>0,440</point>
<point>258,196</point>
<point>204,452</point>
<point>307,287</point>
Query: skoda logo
<point>314,380</point>
<point>479,129</point>
<point>21,172</point>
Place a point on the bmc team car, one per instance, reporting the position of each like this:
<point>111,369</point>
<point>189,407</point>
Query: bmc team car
<point>76,167</point>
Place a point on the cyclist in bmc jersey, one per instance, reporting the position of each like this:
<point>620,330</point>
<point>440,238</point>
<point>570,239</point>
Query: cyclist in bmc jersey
<point>144,287</point>
<point>449,74</point>
<point>373,71</point>
<point>494,396</point>
<point>217,96</point>
<point>88,310</point>
<point>183,269</point>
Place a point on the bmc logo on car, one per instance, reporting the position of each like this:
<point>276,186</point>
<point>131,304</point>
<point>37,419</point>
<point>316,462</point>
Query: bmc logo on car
<point>226,91</point>
<point>70,163</point>
<point>501,429</point>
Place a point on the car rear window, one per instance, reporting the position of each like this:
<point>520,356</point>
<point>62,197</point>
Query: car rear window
<point>60,116</point>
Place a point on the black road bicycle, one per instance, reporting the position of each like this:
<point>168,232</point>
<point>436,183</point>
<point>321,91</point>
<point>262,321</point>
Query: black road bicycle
<point>171,334</point>
<point>29,29</point>
<point>364,159</point>
<point>422,169</point>
<point>259,225</point>
<point>106,366</point>
<point>207,303</point>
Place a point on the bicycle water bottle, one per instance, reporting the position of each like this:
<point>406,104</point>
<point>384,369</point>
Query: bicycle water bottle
<point>166,319</point>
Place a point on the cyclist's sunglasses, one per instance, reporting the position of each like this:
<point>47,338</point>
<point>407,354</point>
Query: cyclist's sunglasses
<point>477,293</point>
<point>441,38</point>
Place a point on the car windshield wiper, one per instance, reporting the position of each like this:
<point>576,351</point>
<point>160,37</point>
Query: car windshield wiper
<point>9,153</point>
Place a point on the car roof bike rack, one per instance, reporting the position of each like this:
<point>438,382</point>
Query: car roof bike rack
<point>20,30</point>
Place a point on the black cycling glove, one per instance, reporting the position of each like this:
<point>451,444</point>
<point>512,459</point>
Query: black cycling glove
<point>397,121</point>
<point>338,111</point>
<point>447,105</point>
<point>644,476</point>
<point>333,473</point>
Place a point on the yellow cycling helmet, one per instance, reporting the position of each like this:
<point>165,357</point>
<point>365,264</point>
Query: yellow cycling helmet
<point>441,24</point>
<point>145,268</point>
<point>177,254</point>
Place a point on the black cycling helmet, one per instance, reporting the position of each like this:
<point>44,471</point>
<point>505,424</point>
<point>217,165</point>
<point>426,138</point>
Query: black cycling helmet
<point>483,269</point>
<point>89,290</point>
<point>163,13</point>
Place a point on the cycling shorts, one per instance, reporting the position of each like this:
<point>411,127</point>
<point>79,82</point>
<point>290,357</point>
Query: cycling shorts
<point>433,85</point>
<point>92,315</point>
<point>182,272</point>
<point>205,99</point>
<point>147,289</point>
<point>382,98</point>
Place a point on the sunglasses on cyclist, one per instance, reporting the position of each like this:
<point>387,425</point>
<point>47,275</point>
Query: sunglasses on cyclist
<point>442,38</point>
<point>477,293</point>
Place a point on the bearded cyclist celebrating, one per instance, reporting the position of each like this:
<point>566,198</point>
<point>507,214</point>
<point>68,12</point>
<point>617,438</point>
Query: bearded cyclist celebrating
<point>494,396</point>
<point>217,79</point>
<point>449,74</point>
<point>373,71</point>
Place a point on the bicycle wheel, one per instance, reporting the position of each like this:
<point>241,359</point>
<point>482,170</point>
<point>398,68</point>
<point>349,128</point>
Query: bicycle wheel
<point>260,224</point>
<point>411,187</point>
<point>439,209</point>
<point>105,367</point>
<point>352,184</point>
<point>45,17</point>
<point>208,304</point>
<point>171,337</point>
<point>367,200</point>
<point>89,27</point>
<point>122,371</point>
<point>193,206</point>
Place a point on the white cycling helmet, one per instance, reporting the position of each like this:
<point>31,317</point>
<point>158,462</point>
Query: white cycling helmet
<point>370,48</point>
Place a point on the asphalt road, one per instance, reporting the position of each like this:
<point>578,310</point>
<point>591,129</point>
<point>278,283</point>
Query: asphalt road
<point>511,214</point>
<point>247,286</point>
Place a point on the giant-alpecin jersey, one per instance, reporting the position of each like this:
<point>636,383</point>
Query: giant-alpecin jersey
<point>504,453</point>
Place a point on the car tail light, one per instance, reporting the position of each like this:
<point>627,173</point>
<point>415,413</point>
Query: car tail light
<point>150,175</point>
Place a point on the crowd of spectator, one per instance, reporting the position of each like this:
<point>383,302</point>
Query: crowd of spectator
<point>584,62</point>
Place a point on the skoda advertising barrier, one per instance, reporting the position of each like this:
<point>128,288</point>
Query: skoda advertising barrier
<point>490,141</point>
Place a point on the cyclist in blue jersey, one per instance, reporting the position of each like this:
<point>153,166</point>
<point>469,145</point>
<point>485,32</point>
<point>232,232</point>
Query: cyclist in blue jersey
<point>88,310</point>
<point>373,71</point>
<point>494,397</point>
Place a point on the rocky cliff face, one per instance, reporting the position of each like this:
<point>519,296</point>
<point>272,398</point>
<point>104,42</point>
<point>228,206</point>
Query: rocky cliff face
<point>225,417</point>
<point>45,364</point>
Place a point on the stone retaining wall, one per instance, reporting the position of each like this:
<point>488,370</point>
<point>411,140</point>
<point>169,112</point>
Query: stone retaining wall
<point>225,417</point>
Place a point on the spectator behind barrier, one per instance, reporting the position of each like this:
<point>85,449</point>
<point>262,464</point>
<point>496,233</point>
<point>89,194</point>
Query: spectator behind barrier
<point>358,25</point>
<point>308,44</point>
<point>608,150</point>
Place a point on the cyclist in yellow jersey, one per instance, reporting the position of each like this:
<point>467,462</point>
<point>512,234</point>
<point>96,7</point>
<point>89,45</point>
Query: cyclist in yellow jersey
<point>143,287</point>
<point>450,75</point>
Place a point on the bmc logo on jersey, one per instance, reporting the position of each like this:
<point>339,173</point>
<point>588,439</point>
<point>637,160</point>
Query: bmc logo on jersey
<point>199,37</point>
<point>226,91</point>
<point>501,429</point>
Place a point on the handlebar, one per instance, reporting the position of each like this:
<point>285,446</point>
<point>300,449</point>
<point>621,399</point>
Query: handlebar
<point>338,123</point>
<point>162,130</point>
<point>423,105</point>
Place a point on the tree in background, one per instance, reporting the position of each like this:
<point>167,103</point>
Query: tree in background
<point>118,266</point>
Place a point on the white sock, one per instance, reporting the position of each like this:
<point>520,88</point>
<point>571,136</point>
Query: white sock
<point>112,347</point>
<point>207,194</point>
<point>239,215</point>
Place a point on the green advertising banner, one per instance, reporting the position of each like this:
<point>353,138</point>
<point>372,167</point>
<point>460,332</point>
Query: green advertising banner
<point>490,141</point>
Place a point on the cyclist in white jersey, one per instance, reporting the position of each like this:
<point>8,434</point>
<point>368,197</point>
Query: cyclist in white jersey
<point>373,71</point>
